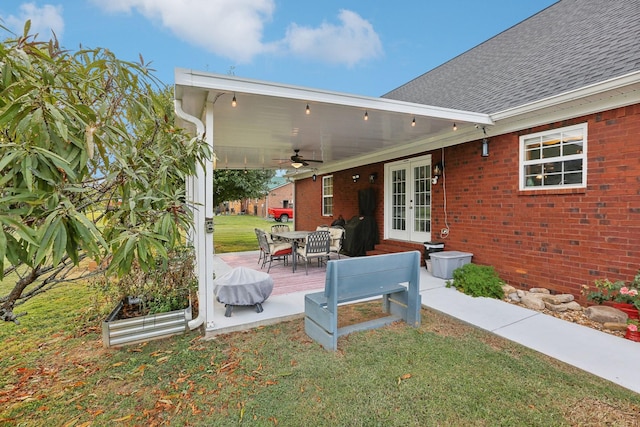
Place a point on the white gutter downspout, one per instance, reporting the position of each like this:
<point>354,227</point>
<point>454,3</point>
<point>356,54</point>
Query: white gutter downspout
<point>196,193</point>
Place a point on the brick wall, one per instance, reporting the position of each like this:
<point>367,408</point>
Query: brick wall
<point>556,239</point>
<point>345,196</point>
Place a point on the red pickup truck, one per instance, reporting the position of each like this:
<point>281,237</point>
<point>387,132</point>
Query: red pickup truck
<point>281,214</point>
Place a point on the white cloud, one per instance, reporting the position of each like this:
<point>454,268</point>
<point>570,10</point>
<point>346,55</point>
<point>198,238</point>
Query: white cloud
<point>230,28</point>
<point>349,43</point>
<point>235,29</point>
<point>43,20</point>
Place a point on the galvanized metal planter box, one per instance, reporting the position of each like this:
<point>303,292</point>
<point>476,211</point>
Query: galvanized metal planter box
<point>117,332</point>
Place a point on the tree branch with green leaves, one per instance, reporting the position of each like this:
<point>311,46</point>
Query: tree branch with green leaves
<point>91,166</point>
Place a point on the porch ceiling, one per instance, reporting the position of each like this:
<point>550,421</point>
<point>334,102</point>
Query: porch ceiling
<point>269,123</point>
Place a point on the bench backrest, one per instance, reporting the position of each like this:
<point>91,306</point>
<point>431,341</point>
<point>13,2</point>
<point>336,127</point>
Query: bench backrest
<point>348,276</point>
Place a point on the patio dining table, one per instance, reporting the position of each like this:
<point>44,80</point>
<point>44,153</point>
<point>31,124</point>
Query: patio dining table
<point>293,237</point>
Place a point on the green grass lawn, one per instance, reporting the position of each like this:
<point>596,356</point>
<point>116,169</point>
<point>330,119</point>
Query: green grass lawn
<point>54,371</point>
<point>235,233</point>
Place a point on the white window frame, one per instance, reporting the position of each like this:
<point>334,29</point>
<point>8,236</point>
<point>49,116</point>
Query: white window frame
<point>561,134</point>
<point>326,196</point>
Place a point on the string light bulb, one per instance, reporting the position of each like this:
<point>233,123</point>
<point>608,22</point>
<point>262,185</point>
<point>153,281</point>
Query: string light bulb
<point>366,116</point>
<point>413,122</point>
<point>307,111</point>
<point>455,127</point>
<point>234,102</point>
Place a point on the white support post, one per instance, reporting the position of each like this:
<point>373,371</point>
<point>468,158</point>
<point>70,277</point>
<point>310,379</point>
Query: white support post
<point>207,201</point>
<point>197,195</point>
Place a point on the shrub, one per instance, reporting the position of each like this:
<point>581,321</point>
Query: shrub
<point>477,281</point>
<point>167,286</point>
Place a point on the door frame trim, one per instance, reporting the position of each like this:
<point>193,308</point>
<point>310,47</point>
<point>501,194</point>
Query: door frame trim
<point>387,192</point>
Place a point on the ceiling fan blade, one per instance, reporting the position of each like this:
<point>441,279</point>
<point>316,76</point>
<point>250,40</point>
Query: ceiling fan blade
<point>297,158</point>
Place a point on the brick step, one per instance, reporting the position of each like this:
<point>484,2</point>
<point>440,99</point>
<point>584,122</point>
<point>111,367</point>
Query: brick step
<point>390,246</point>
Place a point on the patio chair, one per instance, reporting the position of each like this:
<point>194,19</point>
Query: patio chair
<point>258,231</point>
<point>316,245</point>
<point>273,251</point>
<point>279,228</point>
<point>337,236</point>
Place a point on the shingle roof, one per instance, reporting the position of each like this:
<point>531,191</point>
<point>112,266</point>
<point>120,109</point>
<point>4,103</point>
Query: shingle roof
<point>569,45</point>
<point>277,181</point>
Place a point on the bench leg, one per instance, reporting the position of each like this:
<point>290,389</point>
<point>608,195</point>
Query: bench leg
<point>259,308</point>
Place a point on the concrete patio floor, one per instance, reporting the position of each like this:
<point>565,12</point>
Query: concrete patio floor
<point>599,353</point>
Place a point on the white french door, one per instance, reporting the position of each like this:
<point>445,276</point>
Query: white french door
<point>408,200</point>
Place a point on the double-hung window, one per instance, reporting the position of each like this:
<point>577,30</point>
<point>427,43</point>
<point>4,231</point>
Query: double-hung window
<point>554,159</point>
<point>327,195</point>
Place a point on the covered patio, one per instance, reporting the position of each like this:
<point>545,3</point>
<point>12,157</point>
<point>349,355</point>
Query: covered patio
<point>284,305</point>
<point>253,124</point>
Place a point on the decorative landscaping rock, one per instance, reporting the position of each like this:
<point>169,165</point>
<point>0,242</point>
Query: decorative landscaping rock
<point>538,295</point>
<point>557,299</point>
<point>555,307</point>
<point>573,305</point>
<point>539,291</point>
<point>605,314</point>
<point>513,297</point>
<point>605,319</point>
<point>532,302</point>
<point>508,289</point>
<point>615,326</point>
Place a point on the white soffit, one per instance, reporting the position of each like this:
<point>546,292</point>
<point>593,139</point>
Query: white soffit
<point>269,122</point>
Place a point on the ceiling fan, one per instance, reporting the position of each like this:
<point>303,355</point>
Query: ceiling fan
<point>297,161</point>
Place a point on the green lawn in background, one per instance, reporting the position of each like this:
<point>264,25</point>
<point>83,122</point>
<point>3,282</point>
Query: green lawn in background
<point>54,371</point>
<point>235,233</point>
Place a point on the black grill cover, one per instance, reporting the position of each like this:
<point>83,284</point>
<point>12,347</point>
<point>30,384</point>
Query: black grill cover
<point>361,232</point>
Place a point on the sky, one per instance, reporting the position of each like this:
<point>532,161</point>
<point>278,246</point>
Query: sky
<point>359,47</point>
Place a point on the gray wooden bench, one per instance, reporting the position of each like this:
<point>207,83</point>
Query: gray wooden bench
<point>395,277</point>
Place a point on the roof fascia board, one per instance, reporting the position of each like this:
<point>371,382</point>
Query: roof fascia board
<point>209,81</point>
<point>613,85</point>
<point>608,95</point>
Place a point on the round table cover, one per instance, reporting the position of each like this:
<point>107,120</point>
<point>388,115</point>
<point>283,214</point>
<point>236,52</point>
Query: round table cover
<point>243,286</point>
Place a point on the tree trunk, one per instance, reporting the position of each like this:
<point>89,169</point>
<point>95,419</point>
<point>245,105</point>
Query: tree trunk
<point>6,309</point>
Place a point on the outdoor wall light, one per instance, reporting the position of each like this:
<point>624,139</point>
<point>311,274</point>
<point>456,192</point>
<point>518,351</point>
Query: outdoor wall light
<point>438,168</point>
<point>485,147</point>
<point>355,177</point>
<point>373,177</point>
<point>314,177</point>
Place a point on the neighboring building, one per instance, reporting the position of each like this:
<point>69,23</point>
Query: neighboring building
<point>280,194</point>
<point>556,201</point>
